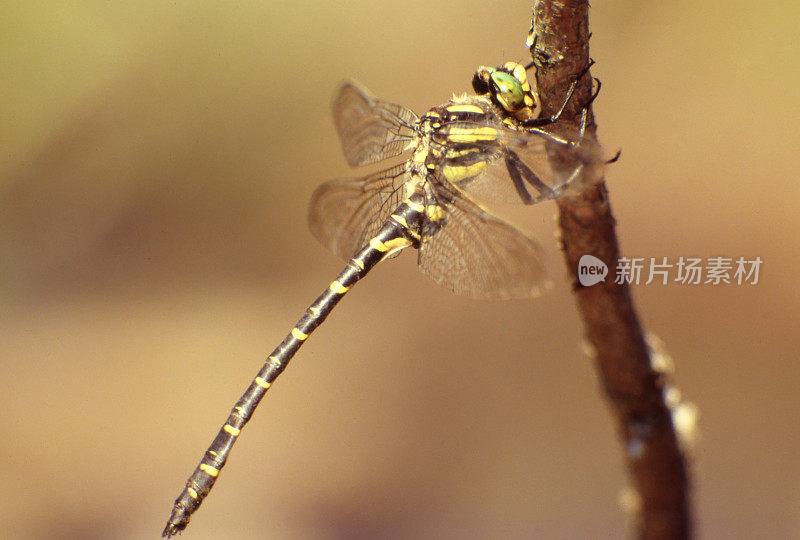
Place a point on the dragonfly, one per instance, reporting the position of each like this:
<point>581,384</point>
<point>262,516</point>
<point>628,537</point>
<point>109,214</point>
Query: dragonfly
<point>488,147</point>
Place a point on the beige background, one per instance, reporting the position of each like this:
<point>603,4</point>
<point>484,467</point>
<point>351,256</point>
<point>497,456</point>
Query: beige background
<point>157,158</point>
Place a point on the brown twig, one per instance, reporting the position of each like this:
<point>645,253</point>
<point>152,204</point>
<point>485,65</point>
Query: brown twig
<point>635,390</point>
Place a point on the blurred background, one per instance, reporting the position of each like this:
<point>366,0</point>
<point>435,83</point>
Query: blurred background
<point>157,159</point>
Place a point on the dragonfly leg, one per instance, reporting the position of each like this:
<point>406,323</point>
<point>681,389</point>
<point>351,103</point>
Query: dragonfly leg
<point>538,122</point>
<point>519,171</point>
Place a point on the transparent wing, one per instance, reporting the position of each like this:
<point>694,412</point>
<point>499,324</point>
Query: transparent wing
<point>345,214</point>
<point>528,167</point>
<point>371,130</point>
<point>476,254</point>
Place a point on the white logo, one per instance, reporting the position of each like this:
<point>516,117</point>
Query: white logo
<point>591,270</point>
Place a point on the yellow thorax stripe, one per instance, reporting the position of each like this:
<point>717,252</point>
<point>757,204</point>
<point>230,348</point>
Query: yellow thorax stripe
<point>456,173</point>
<point>464,108</point>
<point>452,153</point>
<point>471,135</point>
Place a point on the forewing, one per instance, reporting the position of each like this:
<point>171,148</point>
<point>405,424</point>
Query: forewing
<point>371,130</point>
<point>345,214</point>
<point>477,254</point>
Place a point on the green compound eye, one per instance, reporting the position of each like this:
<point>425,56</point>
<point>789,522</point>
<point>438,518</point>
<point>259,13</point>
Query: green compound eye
<point>508,91</point>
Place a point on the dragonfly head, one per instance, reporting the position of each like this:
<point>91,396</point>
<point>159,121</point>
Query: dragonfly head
<point>508,87</point>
